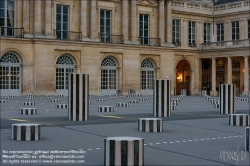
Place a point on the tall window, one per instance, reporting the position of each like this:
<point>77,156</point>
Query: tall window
<point>235,30</point>
<point>248,25</point>
<point>144,28</point>
<point>191,34</point>
<point>7,17</point>
<point>207,31</point>
<point>105,25</point>
<point>176,32</point>
<point>220,32</point>
<point>62,21</point>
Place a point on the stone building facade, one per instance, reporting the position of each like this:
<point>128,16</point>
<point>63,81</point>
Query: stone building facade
<point>123,44</point>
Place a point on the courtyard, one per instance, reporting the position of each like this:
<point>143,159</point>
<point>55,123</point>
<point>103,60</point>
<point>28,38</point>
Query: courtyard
<point>195,134</point>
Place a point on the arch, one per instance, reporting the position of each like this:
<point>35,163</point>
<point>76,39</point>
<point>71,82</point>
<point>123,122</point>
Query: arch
<point>11,57</point>
<point>66,59</point>
<point>65,65</point>
<point>183,76</point>
<point>10,74</point>
<point>147,76</point>
<point>109,76</point>
<point>109,61</point>
<point>148,63</point>
<point>183,58</point>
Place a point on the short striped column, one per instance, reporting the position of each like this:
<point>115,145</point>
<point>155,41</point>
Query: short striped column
<point>133,101</point>
<point>173,105</point>
<point>28,111</point>
<point>62,106</point>
<point>141,99</point>
<point>105,109</point>
<point>54,100</point>
<point>122,104</point>
<point>26,132</point>
<point>124,151</point>
<point>216,105</point>
<point>204,92</point>
<point>28,103</point>
<point>247,139</point>
<point>78,97</point>
<point>238,119</point>
<point>100,99</point>
<point>3,101</point>
<point>112,98</point>
<point>244,99</point>
<point>29,98</point>
<point>150,124</point>
<point>162,98</point>
<point>227,100</point>
<point>184,92</point>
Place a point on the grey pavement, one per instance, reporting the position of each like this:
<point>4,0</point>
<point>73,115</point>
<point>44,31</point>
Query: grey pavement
<point>195,134</point>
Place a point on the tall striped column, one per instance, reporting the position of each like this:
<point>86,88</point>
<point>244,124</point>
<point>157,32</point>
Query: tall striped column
<point>124,151</point>
<point>227,98</point>
<point>162,97</point>
<point>247,139</point>
<point>78,97</point>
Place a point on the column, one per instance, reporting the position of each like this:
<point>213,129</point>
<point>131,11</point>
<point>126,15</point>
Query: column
<point>229,70</point>
<point>192,83</point>
<point>162,97</point>
<point>48,19</point>
<point>227,98</point>
<point>213,92</point>
<point>246,76</point>
<point>125,19</point>
<point>37,21</point>
<point>169,23</point>
<point>134,34</point>
<point>19,14</point>
<point>93,34</point>
<point>78,109</point>
<point>26,16</point>
<point>161,21</point>
<point>84,18</point>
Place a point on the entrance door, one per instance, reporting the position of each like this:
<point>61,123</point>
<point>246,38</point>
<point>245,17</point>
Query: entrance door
<point>147,77</point>
<point>109,76</point>
<point>65,66</point>
<point>10,75</point>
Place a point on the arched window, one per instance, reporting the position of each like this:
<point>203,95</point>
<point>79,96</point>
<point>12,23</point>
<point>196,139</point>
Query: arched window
<point>147,76</point>
<point>109,76</point>
<point>65,66</point>
<point>10,74</point>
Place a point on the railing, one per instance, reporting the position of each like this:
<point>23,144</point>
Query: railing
<point>150,41</point>
<point>109,38</point>
<point>12,32</point>
<point>219,2</point>
<point>68,35</point>
<point>226,44</point>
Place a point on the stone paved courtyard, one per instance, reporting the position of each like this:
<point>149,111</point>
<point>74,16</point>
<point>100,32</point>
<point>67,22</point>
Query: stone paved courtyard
<point>195,134</point>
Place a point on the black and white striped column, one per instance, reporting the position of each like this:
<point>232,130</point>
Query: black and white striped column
<point>150,124</point>
<point>238,119</point>
<point>227,98</point>
<point>62,106</point>
<point>162,98</point>
<point>105,109</point>
<point>78,97</point>
<point>122,104</point>
<point>26,132</point>
<point>247,139</point>
<point>126,151</point>
<point>28,111</point>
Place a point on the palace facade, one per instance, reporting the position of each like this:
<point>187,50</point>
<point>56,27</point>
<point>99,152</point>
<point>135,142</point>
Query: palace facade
<point>124,44</point>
